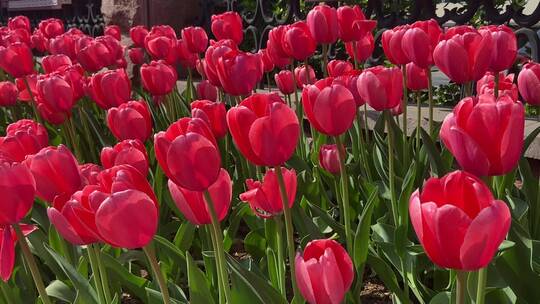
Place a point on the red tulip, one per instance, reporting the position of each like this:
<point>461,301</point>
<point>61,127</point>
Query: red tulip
<point>380,87</point>
<point>213,53</point>
<point>188,155</point>
<point>113,31</point>
<point>264,197</point>
<point>206,90</point>
<point>298,42</point>
<point>65,44</point>
<point>528,83</point>
<point>38,41</point>
<point>329,158</point>
<point>392,44</point>
<point>54,63</point>
<point>110,88</point>
<point>8,93</point>
<point>264,129</point>
<point>185,57</point>
<point>158,78</point>
<point>130,120</point>
<point>268,64</point>
<point>56,173</point>
<point>55,98</point>
<point>18,185</point>
<point>228,26</point>
<point>24,95</point>
<point>74,75</point>
<point>240,72</point>
<point>160,43</point>
<point>485,135</point>
<point>486,85</point>
<point>362,49</point>
<point>504,44</point>
<point>193,205</point>
<point>127,152</point>
<point>285,82</point>
<point>124,177</point>
<point>213,113</point>
<point>136,55</point>
<point>51,27</point>
<point>17,35</point>
<point>304,76</point>
<point>138,34</point>
<point>330,108</point>
<point>8,239</point>
<point>89,173</point>
<point>417,78</point>
<point>17,60</point>
<point>458,221</point>
<point>19,22</point>
<point>420,40</point>
<point>324,273</point>
<point>24,137</point>
<point>349,81</point>
<point>323,24</point>
<point>463,54</point>
<point>337,68</point>
<point>353,25</point>
<point>94,56</point>
<point>195,38</point>
<point>275,44</point>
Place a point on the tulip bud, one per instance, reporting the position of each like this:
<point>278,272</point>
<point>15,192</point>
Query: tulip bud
<point>324,273</point>
<point>24,137</point>
<point>479,147</point>
<point>194,206</point>
<point>264,129</point>
<point>392,44</point>
<point>110,88</point>
<point>51,27</point>
<point>361,49</point>
<point>380,87</point>
<point>161,42</point>
<point>528,83</point>
<point>127,152</point>
<point>228,26</point>
<point>8,93</point>
<point>337,68</point>
<point>417,78</point>
<point>304,76</point>
<point>158,78</point>
<point>330,108</point>
<point>206,90</point>
<point>113,31</point>
<point>130,120</point>
<point>285,82</point>
<point>136,55</point>
<point>16,59</point>
<point>329,158</point>
<point>195,38</point>
<point>213,113</point>
<point>452,215</point>
<point>264,197</point>
<point>353,25</point>
<point>138,34</point>
<point>420,40</point>
<point>298,42</point>
<point>323,24</point>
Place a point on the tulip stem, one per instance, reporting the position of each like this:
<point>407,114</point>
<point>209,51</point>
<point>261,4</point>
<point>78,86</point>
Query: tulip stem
<point>221,285</point>
<point>430,100</point>
<point>345,194</point>
<point>34,270</point>
<point>362,147</point>
<point>418,122</point>
<point>33,100</point>
<point>151,255</point>
<point>366,123</point>
<point>190,85</point>
<point>404,105</point>
<point>461,284</point>
<point>268,81</point>
<point>390,139</point>
<point>280,261</point>
<point>481,287</point>
<point>289,229</point>
<point>95,271</point>
<point>325,59</point>
<point>496,85</point>
<point>298,108</point>
<point>103,274</point>
<point>218,251</point>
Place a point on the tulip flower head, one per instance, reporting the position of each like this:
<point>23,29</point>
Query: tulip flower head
<point>458,222</point>
<point>228,26</point>
<point>130,120</point>
<point>353,25</point>
<point>324,273</point>
<point>24,137</point>
<point>486,85</point>
<point>322,21</point>
<point>8,93</point>
<point>127,152</point>
<point>213,113</point>
<point>529,83</point>
<point>380,87</point>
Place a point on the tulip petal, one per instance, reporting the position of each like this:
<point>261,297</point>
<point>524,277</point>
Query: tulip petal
<point>484,235</point>
<point>451,225</point>
<point>332,279</point>
<point>7,254</point>
<point>64,228</point>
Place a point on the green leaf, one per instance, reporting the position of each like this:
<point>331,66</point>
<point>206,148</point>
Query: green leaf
<point>434,157</point>
<point>84,290</point>
<point>250,288</point>
<point>327,219</point>
<point>61,291</point>
<point>199,293</point>
<point>167,248</point>
<point>441,298</point>
<point>135,285</point>
<point>361,237</point>
<point>386,274</point>
<point>255,243</point>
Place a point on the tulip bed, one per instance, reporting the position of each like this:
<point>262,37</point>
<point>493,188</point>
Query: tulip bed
<point>125,189</point>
